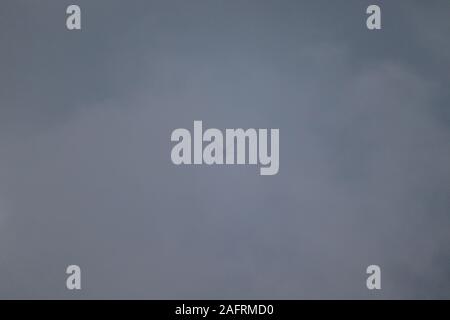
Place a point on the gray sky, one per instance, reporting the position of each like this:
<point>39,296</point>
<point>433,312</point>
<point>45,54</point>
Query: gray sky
<point>85,170</point>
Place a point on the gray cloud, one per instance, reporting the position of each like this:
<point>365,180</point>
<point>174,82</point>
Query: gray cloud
<point>85,171</point>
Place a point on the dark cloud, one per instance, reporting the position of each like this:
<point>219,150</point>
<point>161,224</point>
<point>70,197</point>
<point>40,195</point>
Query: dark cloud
<point>85,170</point>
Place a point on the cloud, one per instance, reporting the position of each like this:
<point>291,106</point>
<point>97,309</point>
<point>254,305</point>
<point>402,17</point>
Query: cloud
<point>364,151</point>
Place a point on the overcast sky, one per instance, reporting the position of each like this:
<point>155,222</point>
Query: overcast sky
<point>86,176</point>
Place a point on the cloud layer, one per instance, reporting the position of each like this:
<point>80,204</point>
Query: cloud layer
<point>85,170</point>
